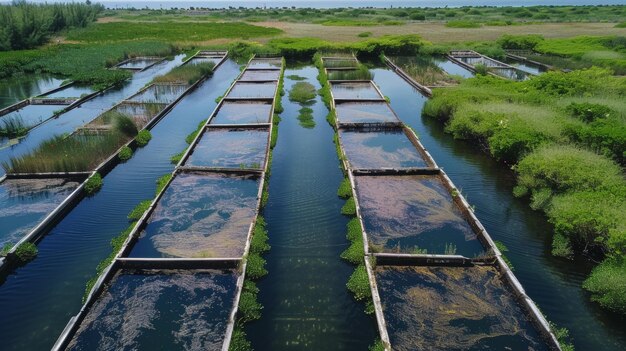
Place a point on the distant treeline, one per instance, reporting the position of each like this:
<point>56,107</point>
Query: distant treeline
<point>25,25</point>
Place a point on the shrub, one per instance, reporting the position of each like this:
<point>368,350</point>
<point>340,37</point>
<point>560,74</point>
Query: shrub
<point>123,123</point>
<point>259,244</point>
<point>359,285</point>
<point>93,184</point>
<point>125,153</point>
<point>417,16</point>
<point>143,138</point>
<point>354,253</point>
<point>162,182</point>
<point>5,249</point>
<point>364,34</point>
<point>520,42</point>
<point>239,341</point>
<point>561,247</point>
<point>26,252</point>
<point>607,284</point>
<point>481,69</point>
<point>588,112</point>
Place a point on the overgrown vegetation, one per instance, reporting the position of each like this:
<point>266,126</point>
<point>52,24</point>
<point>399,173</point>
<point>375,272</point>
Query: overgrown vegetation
<point>125,153</point>
<point>76,153</point>
<point>143,138</point>
<point>25,25</point>
<point>13,127</point>
<point>565,135</point>
<point>424,70</point>
<point>186,74</point>
<point>304,94</point>
<point>26,252</point>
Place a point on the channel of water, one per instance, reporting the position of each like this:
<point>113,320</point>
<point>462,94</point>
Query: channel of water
<point>38,299</point>
<point>306,303</point>
<point>554,284</point>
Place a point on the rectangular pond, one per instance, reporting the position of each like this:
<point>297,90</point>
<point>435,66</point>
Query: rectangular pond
<point>200,215</point>
<point>30,115</point>
<point>452,308</point>
<point>231,148</point>
<point>365,112</point>
<point>414,214</point>
<point>139,63</point>
<point>201,59</point>
<point>340,62</point>
<point>141,114</point>
<point>26,202</point>
<point>270,63</point>
<point>243,112</point>
<point>380,149</point>
<point>253,90</point>
<point>260,75</point>
<point>355,91</point>
<point>160,93</point>
<point>148,309</point>
<point>71,91</point>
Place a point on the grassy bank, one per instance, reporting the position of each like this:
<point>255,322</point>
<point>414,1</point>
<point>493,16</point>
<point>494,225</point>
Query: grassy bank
<point>564,134</point>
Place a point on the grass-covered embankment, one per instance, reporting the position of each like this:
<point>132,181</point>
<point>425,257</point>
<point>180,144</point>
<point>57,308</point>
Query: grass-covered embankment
<point>565,136</point>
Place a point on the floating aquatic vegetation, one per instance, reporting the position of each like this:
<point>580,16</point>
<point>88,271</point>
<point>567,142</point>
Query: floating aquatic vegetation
<point>159,309</point>
<point>452,308</point>
<point>401,213</point>
<point>384,149</point>
<point>200,215</point>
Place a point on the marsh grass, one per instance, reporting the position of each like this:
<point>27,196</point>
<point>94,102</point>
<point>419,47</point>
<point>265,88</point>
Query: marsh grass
<point>75,153</point>
<point>360,73</point>
<point>340,63</point>
<point>186,74</point>
<point>13,127</point>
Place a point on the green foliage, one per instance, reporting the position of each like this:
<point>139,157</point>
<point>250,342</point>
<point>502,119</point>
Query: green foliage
<point>305,117</point>
<point>481,69</point>
<point>5,249</point>
<point>621,25</point>
<point>360,73</point>
<point>354,253</point>
<point>179,156</point>
<point>255,268</point>
<point>139,210</point>
<point>172,32</point>
<point>239,341</point>
<point>249,307</point>
<point>295,77</point>
<point>125,153</point>
<point>162,182</point>
<point>349,208</point>
<point>561,247</point>
<point>186,74</point>
<point>302,92</point>
<point>258,244</point>
<point>377,346</point>
<point>26,252</point>
<point>143,137</point>
<point>503,249</point>
<point>26,25</point>
<point>93,184</point>
<point>345,189</point>
<point>607,284</point>
<point>364,34</point>
<point>359,283</point>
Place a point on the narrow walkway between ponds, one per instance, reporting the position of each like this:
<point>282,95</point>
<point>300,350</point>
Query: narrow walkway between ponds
<point>306,303</point>
<point>37,300</point>
<point>554,284</point>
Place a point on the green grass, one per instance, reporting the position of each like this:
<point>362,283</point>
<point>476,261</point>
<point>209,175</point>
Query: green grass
<point>360,73</point>
<point>26,252</point>
<point>359,285</point>
<point>139,210</point>
<point>125,153</point>
<point>621,25</point>
<point>607,284</point>
<point>349,208</point>
<point>172,32</point>
<point>143,138</point>
<point>345,189</point>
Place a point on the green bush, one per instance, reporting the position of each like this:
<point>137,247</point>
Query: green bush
<point>607,284</point>
<point>123,123</point>
<point>364,34</point>
<point>354,253</point>
<point>588,112</point>
<point>463,24</point>
<point>359,285</point>
<point>162,182</point>
<point>249,307</point>
<point>259,244</point>
<point>377,346</point>
<point>143,138</point>
<point>561,247</point>
<point>520,42</point>
<point>239,341</point>
<point>93,184</point>
<point>125,153</point>
<point>26,252</point>
<point>5,249</point>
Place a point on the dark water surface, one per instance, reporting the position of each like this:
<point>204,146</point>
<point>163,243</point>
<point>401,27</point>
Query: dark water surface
<point>306,303</point>
<point>554,284</point>
<point>37,300</point>
<point>18,88</point>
